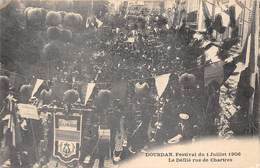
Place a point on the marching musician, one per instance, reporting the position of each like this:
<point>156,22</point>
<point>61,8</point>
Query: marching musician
<point>103,105</point>
<point>4,91</point>
<point>70,97</point>
<point>185,111</point>
<point>45,145</point>
<point>89,133</point>
<point>31,130</point>
<point>143,106</point>
<point>9,124</point>
<point>117,130</point>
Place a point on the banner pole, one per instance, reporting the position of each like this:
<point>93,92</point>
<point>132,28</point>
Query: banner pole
<point>92,6</point>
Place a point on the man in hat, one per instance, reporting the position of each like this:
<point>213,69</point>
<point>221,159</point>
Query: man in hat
<point>143,107</point>
<point>117,129</point>
<point>190,100</point>
<point>103,108</point>
<point>9,120</point>
<point>4,91</point>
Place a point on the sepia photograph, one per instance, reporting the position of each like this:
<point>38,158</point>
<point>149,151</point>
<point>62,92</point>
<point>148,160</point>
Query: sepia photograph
<point>107,83</point>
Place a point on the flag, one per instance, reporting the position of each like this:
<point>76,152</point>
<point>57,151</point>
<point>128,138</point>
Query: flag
<point>245,91</point>
<point>225,19</point>
<point>247,83</point>
<point>238,7</point>
<point>206,9</point>
<point>254,39</point>
<point>238,11</point>
<point>254,47</point>
<point>201,26</point>
<point>37,85</point>
<point>212,54</point>
<point>220,9</point>
<point>90,88</point>
<point>248,47</point>
<point>244,55</point>
<point>205,14</point>
<point>161,83</point>
<point>224,7</point>
<point>253,67</point>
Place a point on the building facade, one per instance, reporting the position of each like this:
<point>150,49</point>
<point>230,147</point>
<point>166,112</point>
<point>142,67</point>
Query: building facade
<point>195,15</point>
<point>150,4</point>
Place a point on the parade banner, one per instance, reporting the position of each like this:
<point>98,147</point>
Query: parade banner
<point>90,88</point>
<point>161,83</point>
<point>28,111</point>
<point>37,85</point>
<point>67,137</point>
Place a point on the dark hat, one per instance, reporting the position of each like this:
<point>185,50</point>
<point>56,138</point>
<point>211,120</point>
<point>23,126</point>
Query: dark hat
<point>187,80</point>
<point>70,96</point>
<point>103,98</point>
<point>46,96</point>
<point>25,92</point>
<point>141,89</point>
<point>53,32</point>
